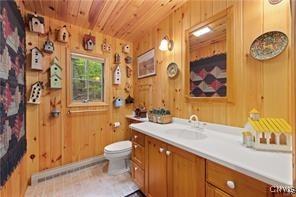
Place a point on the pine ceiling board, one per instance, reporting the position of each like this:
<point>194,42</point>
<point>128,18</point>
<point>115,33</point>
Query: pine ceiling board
<point>162,11</point>
<point>62,9</point>
<point>95,11</point>
<point>105,14</point>
<point>82,19</point>
<point>141,8</point>
<point>154,8</point>
<point>121,7</point>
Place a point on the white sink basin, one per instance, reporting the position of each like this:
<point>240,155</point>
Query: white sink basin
<point>186,134</point>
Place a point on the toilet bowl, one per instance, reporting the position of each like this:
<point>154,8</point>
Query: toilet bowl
<point>118,155</point>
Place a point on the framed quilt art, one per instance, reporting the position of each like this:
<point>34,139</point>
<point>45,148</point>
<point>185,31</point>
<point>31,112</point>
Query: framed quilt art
<point>12,89</point>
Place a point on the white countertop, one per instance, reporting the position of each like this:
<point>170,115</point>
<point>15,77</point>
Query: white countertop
<point>132,117</point>
<point>223,145</point>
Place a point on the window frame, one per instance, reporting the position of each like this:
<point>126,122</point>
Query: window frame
<point>70,101</point>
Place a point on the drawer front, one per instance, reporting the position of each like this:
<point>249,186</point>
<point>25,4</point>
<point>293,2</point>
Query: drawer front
<point>234,183</point>
<point>138,138</point>
<point>138,175</point>
<point>138,154</point>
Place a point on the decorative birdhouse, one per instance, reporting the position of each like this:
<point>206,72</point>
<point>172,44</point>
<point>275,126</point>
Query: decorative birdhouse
<point>48,46</point>
<point>129,100</point>
<point>128,60</point>
<point>106,47</point>
<point>127,87</point>
<point>129,71</point>
<point>273,134</point>
<point>116,58</point>
<point>89,42</point>
<point>55,74</point>
<point>126,49</point>
<point>36,59</point>
<point>36,92</point>
<point>63,35</point>
<point>117,76</point>
<point>36,23</point>
<point>254,114</point>
<point>118,102</point>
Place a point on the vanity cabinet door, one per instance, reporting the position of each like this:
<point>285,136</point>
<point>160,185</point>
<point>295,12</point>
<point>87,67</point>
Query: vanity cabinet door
<point>212,191</point>
<point>186,173</point>
<point>156,169</point>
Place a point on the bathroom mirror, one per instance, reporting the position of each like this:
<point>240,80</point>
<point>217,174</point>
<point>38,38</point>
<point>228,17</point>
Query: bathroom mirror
<point>209,58</point>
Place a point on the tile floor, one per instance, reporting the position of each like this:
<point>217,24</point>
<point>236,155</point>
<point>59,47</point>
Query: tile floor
<point>92,181</point>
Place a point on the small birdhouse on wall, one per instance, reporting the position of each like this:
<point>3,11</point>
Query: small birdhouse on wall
<point>36,92</point>
<point>117,75</point>
<point>106,47</point>
<point>129,71</point>
<point>48,46</point>
<point>55,74</point>
<point>126,49</point>
<point>89,42</point>
<point>116,58</point>
<point>128,59</point>
<point>36,23</point>
<point>63,35</point>
<point>36,59</point>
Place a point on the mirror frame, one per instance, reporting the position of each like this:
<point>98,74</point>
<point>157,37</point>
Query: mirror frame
<point>228,13</point>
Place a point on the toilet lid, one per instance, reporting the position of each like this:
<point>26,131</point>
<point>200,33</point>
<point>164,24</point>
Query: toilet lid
<point>118,147</point>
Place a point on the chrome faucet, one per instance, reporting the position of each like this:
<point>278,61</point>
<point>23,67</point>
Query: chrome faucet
<point>193,119</point>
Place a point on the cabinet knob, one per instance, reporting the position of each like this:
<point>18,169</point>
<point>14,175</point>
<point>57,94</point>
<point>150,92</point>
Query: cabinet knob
<point>136,168</point>
<point>136,146</point>
<point>161,150</point>
<point>168,153</point>
<point>230,184</point>
<point>135,136</point>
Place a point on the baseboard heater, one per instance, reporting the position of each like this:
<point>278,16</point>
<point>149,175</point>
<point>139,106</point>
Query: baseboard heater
<point>65,169</point>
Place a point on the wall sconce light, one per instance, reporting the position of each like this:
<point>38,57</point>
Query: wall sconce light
<point>166,44</point>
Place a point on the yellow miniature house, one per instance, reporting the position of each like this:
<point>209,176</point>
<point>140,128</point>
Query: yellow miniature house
<point>273,134</point>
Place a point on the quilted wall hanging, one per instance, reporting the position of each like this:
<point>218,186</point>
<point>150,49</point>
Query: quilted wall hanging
<point>12,89</point>
<point>208,76</point>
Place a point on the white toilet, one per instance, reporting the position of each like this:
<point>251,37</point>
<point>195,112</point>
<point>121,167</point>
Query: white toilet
<point>118,154</point>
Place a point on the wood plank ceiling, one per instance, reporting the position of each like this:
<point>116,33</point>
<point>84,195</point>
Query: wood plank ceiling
<point>126,19</point>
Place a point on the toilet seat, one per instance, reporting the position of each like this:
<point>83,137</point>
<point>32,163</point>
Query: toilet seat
<point>118,147</point>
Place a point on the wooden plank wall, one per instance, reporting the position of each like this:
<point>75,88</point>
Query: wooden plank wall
<point>264,85</point>
<point>52,141</point>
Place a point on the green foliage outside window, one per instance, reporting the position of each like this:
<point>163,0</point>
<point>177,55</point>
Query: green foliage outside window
<point>87,79</point>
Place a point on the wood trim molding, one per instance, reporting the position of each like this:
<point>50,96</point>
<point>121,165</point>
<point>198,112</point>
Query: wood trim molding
<point>230,57</point>
<point>70,103</point>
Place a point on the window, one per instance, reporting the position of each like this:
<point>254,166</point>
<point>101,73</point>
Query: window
<point>87,79</point>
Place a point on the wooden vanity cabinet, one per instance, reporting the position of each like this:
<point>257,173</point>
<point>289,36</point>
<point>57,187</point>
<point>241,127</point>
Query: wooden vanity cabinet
<point>173,172</point>
<point>233,182</point>
<point>213,191</point>
<point>138,159</point>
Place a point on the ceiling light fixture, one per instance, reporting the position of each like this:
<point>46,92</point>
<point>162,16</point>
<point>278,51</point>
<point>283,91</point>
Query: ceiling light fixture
<point>202,31</point>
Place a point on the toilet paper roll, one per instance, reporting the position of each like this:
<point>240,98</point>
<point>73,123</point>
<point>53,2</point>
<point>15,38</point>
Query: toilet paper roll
<point>116,124</point>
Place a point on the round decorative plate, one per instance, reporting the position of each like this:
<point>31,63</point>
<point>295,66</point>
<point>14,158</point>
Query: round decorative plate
<point>172,70</point>
<point>273,2</point>
<point>269,45</point>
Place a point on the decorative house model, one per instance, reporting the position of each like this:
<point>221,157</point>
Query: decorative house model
<point>116,58</point>
<point>48,46</point>
<point>36,59</point>
<point>117,76</point>
<point>36,92</point>
<point>106,47</point>
<point>126,49</point>
<point>36,23</point>
<point>129,71</point>
<point>128,60</point>
<point>273,134</point>
<point>55,74</point>
<point>63,35</point>
<point>89,42</point>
